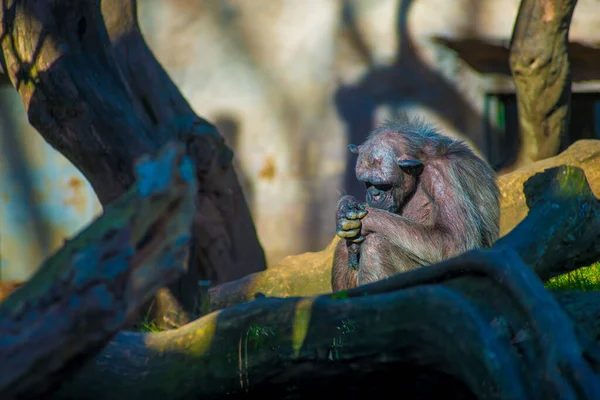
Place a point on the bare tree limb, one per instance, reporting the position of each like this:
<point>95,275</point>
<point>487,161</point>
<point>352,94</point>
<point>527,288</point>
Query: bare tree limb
<point>539,62</point>
<point>72,89</point>
<point>569,221</point>
<point>89,290</point>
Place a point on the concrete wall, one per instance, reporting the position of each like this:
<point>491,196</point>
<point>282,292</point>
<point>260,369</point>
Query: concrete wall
<point>290,83</point>
<point>43,197</point>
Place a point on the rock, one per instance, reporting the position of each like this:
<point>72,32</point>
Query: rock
<point>304,274</point>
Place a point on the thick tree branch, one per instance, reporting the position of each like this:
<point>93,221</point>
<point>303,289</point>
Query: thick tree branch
<point>270,343</point>
<point>539,62</point>
<point>151,85</point>
<point>72,89</point>
<point>89,290</point>
<point>569,220</point>
<point>483,318</point>
<point>96,93</point>
<point>224,235</point>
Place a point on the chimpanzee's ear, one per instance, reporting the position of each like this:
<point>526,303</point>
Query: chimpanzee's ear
<point>411,166</point>
<point>354,149</point>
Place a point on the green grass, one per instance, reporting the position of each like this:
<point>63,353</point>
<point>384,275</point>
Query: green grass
<point>149,327</point>
<point>585,279</point>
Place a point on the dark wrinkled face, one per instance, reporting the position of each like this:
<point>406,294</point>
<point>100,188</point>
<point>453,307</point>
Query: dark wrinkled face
<point>382,196</point>
<point>390,178</point>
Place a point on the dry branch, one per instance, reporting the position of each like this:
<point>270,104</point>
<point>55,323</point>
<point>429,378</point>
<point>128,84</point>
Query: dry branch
<point>539,62</point>
<point>483,318</point>
<point>90,289</point>
<point>96,93</point>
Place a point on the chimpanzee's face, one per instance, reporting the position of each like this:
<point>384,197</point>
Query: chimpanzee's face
<point>390,179</point>
<point>381,196</point>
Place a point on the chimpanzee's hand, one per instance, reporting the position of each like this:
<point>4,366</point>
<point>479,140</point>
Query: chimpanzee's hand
<point>348,219</point>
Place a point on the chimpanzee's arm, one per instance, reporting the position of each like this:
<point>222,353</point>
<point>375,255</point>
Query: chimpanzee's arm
<point>426,243</point>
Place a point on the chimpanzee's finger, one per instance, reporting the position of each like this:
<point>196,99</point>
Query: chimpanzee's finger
<point>359,239</point>
<point>347,224</point>
<point>354,214</point>
<point>348,234</point>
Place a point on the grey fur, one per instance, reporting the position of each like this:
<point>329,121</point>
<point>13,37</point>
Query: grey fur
<point>452,207</point>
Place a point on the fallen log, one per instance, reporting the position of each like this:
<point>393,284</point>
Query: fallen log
<point>95,284</point>
<point>482,323</point>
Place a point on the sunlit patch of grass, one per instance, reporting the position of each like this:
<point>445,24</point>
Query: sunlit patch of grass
<point>584,279</point>
<point>149,326</point>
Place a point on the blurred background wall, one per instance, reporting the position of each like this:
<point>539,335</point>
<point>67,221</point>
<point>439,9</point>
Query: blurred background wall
<point>290,83</point>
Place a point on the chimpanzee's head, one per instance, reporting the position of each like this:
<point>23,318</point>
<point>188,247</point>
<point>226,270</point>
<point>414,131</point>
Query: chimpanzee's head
<point>390,175</point>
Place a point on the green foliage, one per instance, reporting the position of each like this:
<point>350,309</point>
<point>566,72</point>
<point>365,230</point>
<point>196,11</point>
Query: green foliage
<point>341,295</point>
<point>258,335</point>
<point>585,279</point>
<point>347,326</point>
<point>148,326</point>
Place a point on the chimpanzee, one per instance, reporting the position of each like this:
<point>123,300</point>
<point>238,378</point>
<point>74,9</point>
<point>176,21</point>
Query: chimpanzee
<point>429,198</point>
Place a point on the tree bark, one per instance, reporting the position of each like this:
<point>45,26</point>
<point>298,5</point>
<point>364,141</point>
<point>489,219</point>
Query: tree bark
<point>87,292</point>
<point>482,320</point>
<point>96,93</point>
<point>539,62</point>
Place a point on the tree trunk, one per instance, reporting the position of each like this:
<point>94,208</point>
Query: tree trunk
<point>87,292</point>
<point>539,62</point>
<point>96,93</point>
<point>482,324</point>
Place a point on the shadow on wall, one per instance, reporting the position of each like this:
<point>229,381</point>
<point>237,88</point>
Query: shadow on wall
<point>406,82</point>
<point>229,127</point>
<point>24,226</point>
